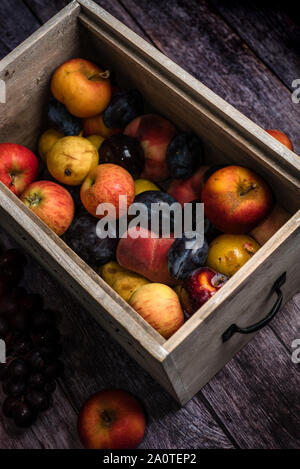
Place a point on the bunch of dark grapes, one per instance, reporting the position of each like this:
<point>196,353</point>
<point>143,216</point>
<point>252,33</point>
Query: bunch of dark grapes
<point>32,345</point>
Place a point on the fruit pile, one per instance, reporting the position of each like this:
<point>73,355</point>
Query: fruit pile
<point>32,345</point>
<point>100,145</point>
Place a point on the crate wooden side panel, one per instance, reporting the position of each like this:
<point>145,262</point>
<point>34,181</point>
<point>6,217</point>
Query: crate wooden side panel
<point>196,350</point>
<point>227,134</point>
<point>27,71</point>
<point>140,340</point>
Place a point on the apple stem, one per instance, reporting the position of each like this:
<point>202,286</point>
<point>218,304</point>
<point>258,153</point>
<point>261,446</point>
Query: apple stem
<point>107,418</point>
<point>100,76</point>
<point>250,188</point>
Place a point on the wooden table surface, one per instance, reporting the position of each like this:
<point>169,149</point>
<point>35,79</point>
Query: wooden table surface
<point>248,55</point>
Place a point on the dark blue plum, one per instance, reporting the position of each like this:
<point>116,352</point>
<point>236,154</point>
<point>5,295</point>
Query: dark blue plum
<point>83,239</point>
<point>60,118</point>
<point>184,155</point>
<point>123,108</point>
<point>210,232</point>
<point>166,217</point>
<point>124,151</point>
<point>185,255</point>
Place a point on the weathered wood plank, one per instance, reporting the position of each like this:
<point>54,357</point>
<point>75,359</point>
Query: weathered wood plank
<point>16,24</point>
<point>270,32</point>
<point>257,395</point>
<point>196,38</point>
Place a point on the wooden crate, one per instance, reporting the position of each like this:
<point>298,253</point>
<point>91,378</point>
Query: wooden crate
<point>186,361</point>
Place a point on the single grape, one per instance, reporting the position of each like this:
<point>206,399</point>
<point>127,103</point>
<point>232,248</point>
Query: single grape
<point>18,368</point>
<point>50,386</point>
<point>36,360</point>
<point>38,400</point>
<point>36,381</point>
<point>21,346</point>
<point>9,405</point>
<point>54,369</point>
<point>14,388</point>
<point>23,415</point>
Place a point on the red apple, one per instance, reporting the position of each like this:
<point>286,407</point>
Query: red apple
<point>105,184</point>
<point>52,203</point>
<point>201,285</point>
<point>111,419</point>
<point>187,190</point>
<point>18,167</point>
<point>146,255</point>
<point>155,133</point>
<point>236,199</point>
<point>82,87</point>
<point>281,137</point>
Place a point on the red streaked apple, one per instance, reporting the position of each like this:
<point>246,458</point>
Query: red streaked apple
<point>159,305</point>
<point>281,137</point>
<point>18,167</point>
<point>82,86</point>
<point>155,133</point>
<point>236,199</point>
<point>201,285</point>
<point>111,419</point>
<point>52,203</point>
<point>105,184</point>
<point>187,190</point>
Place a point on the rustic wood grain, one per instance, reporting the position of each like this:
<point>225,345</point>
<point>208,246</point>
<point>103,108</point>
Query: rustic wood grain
<point>195,37</point>
<point>266,403</point>
<point>270,32</point>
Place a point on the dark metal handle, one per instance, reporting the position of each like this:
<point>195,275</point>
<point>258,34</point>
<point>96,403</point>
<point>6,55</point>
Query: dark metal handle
<point>259,325</point>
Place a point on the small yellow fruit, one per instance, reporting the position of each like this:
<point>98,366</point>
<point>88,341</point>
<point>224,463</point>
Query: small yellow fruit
<point>142,185</point>
<point>123,281</point>
<point>71,159</point>
<point>96,140</point>
<point>228,253</point>
<point>46,142</point>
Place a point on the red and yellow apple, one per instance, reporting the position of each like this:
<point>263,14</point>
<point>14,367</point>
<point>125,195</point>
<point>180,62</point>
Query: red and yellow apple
<point>236,199</point>
<point>105,184</point>
<point>159,305</point>
<point>154,133</point>
<point>111,419</point>
<point>146,255</point>
<point>18,167</point>
<point>275,220</point>
<point>229,252</point>
<point>82,86</point>
<point>52,203</point>
<point>187,190</point>
<point>281,137</point>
